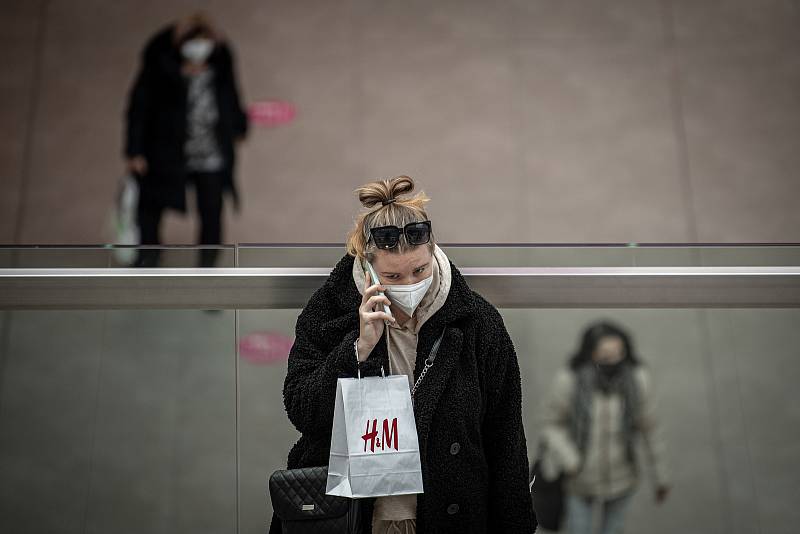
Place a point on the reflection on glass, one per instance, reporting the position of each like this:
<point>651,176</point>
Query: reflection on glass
<point>118,421</point>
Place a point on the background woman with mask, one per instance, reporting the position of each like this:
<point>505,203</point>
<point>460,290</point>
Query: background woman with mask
<point>600,405</point>
<point>467,408</point>
<point>184,118</point>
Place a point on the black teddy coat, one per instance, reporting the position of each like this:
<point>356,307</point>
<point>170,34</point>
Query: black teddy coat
<point>468,407</point>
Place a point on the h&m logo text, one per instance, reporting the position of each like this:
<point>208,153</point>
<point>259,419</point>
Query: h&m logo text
<point>387,441</point>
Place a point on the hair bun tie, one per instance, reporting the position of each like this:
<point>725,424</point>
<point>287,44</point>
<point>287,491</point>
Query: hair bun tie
<point>387,202</point>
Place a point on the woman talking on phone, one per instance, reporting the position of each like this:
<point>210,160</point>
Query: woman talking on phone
<point>467,409</point>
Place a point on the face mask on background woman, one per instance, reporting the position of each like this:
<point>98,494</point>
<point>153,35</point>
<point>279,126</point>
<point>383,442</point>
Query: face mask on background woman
<point>197,50</point>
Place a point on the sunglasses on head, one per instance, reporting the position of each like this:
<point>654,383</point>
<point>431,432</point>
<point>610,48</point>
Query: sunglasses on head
<point>387,237</point>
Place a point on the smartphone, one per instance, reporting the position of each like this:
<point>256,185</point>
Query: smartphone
<point>376,280</point>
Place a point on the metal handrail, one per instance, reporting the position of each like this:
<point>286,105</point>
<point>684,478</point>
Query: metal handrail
<point>517,287</point>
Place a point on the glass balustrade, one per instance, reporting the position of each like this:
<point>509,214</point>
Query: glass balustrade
<point>169,418</point>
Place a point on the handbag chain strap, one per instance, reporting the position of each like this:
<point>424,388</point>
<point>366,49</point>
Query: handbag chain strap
<point>428,363</point>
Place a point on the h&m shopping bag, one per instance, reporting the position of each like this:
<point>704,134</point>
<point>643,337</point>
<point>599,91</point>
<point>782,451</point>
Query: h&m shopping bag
<point>374,444</point>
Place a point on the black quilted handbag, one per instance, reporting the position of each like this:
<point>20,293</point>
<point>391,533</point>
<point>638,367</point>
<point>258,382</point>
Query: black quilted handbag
<point>299,500</point>
<point>548,498</point>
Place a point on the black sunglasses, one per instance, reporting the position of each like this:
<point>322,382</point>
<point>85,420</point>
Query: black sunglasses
<point>417,233</point>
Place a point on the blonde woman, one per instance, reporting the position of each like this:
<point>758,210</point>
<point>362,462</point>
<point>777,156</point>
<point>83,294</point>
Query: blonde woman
<point>468,407</point>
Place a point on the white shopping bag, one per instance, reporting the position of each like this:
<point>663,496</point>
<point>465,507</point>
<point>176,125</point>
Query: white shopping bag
<point>125,229</point>
<point>374,445</point>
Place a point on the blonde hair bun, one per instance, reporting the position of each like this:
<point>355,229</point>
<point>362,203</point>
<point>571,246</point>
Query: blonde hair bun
<point>384,191</point>
<point>395,208</point>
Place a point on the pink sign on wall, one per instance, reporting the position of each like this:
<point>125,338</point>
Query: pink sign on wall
<point>265,347</point>
<point>271,113</point>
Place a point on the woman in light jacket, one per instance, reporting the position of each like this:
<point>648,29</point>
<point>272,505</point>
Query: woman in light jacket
<point>467,408</point>
<point>600,405</point>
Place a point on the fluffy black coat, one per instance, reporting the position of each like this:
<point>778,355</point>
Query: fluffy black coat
<point>156,118</point>
<point>470,397</point>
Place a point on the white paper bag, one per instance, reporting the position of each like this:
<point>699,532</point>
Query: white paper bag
<point>374,445</point>
<point>125,228</point>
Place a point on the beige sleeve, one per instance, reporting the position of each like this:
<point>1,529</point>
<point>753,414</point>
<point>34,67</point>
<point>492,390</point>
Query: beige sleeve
<point>652,435</point>
<point>555,422</point>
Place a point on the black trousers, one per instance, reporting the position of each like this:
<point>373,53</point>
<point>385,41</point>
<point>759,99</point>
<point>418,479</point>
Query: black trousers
<point>209,190</point>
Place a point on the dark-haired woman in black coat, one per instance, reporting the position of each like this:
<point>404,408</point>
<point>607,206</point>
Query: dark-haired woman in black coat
<point>183,120</point>
<point>467,408</point>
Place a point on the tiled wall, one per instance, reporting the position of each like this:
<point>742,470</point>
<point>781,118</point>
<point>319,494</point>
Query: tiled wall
<point>544,121</point>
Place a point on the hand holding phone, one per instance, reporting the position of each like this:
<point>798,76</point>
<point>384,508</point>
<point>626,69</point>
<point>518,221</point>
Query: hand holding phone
<point>375,280</point>
<point>371,320</point>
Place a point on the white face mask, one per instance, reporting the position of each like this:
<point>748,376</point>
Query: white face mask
<point>197,50</point>
<point>408,297</point>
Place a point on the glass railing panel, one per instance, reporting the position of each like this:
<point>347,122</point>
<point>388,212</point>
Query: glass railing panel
<point>546,339</point>
<point>264,338</point>
<point>165,445</point>
<point>716,255</point>
<point>757,256</point>
<point>289,255</point>
<point>111,256</point>
<point>118,421</point>
<point>55,256</point>
<point>539,255</point>
<point>722,380</point>
<point>127,420</point>
<point>48,401</point>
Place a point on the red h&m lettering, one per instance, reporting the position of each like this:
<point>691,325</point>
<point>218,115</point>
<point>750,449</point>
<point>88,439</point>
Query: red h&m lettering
<point>370,436</point>
<point>390,436</point>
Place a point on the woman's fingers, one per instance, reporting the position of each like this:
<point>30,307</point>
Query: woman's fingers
<point>376,300</point>
<point>370,303</point>
<point>373,290</point>
<point>377,316</point>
